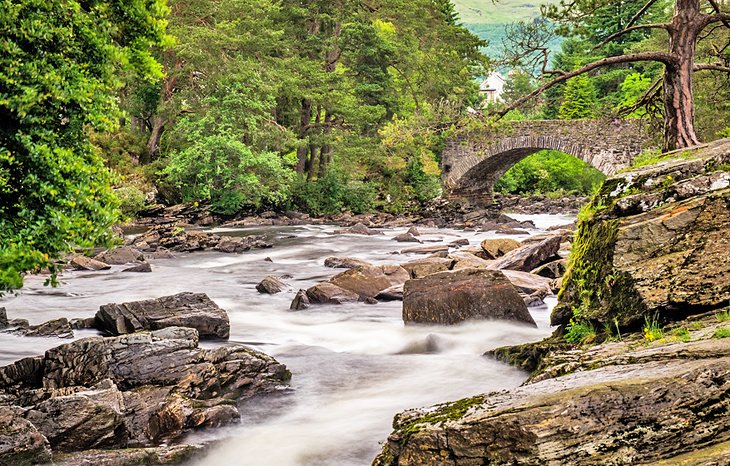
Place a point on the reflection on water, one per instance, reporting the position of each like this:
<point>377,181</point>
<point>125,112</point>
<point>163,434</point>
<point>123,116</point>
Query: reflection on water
<point>354,366</point>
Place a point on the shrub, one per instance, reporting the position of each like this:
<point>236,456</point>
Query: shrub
<point>222,170</point>
<point>721,332</point>
<point>131,200</point>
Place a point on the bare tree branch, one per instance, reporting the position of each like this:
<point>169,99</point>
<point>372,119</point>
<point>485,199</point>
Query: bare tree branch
<point>631,58</point>
<point>717,9</point>
<point>716,18</point>
<point>711,67</point>
<point>613,36</point>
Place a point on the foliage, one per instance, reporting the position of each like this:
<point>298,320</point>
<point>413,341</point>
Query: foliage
<point>721,332</point>
<point>580,99</point>
<point>59,67</point>
<point>723,316</point>
<point>131,200</point>
<point>222,170</point>
<point>681,334</point>
<point>332,194</point>
<point>652,329</point>
<point>550,172</point>
<point>579,332</point>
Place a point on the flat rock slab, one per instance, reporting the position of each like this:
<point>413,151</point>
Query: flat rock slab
<point>449,298</point>
<point>192,310</point>
<point>529,256</point>
<point>634,414</point>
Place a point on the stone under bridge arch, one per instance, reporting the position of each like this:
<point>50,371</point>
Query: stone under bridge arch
<point>472,163</point>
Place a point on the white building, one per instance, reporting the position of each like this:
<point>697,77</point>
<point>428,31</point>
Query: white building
<point>492,87</point>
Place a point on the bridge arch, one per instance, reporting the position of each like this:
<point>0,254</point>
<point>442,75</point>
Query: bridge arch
<point>472,163</point>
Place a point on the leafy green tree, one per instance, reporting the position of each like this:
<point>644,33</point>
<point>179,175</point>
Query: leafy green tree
<point>59,67</point>
<point>579,100</point>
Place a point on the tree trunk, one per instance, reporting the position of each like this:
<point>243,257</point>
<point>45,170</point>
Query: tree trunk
<point>679,131</point>
<point>325,154</point>
<point>153,142</point>
<point>305,118</point>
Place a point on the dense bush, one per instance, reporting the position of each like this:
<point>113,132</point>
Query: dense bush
<point>131,200</point>
<point>332,194</point>
<point>228,174</point>
<point>550,172</point>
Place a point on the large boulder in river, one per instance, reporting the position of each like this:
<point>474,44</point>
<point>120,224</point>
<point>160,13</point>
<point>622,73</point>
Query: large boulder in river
<point>448,298</point>
<point>529,256</point>
<point>193,310</point>
<point>367,282</point>
<point>653,243</point>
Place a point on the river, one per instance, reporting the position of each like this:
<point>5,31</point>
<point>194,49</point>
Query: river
<point>353,366</point>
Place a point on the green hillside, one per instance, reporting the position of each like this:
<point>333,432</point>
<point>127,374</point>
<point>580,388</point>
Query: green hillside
<point>487,18</point>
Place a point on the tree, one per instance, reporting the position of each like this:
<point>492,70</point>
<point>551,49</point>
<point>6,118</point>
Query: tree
<point>579,100</point>
<point>685,30</point>
<point>59,61</point>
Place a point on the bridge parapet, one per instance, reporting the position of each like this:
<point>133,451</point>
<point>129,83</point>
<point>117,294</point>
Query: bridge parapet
<point>474,161</point>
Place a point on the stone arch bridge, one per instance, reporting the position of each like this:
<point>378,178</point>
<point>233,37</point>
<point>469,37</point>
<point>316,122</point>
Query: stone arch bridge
<point>473,162</point>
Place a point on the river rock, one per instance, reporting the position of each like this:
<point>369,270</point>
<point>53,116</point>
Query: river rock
<point>367,282</point>
<point>448,298</point>
<point>430,265</point>
<point>425,249</point>
<point>83,420</point>
<point>194,310</point>
<point>529,256</point>
<point>394,293</point>
<point>271,285</point>
<point>498,247</point>
<point>144,267</point>
<point>300,301</point>
<point>60,328</point>
<point>413,231</point>
<point>593,417</point>
<point>20,441</point>
<point>358,229</point>
<point>329,293</point>
<point>528,283</point>
<point>345,262</point>
<point>553,270</point>
<point>406,238</point>
<point>81,262</point>
<point>654,243</point>
<point>120,256</point>
<point>467,260</point>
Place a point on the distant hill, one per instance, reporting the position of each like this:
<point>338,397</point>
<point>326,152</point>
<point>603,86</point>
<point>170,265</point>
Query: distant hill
<point>487,19</point>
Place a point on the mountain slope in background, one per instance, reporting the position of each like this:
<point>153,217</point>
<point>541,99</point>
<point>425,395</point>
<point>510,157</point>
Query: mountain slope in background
<point>487,19</point>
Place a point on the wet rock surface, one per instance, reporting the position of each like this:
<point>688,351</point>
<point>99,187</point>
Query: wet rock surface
<point>451,297</point>
<point>271,285</point>
<point>369,281</point>
<point>193,310</point>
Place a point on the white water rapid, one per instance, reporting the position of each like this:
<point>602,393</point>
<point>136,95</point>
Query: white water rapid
<point>353,366</point>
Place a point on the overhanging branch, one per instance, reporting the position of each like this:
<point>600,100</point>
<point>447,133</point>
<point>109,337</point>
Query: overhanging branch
<point>631,58</point>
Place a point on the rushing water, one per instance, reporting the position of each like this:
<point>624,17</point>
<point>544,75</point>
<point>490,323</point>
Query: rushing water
<point>354,366</point>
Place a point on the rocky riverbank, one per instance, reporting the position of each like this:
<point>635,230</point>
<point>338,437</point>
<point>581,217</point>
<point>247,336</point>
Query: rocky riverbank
<point>638,371</point>
<point>121,400</point>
